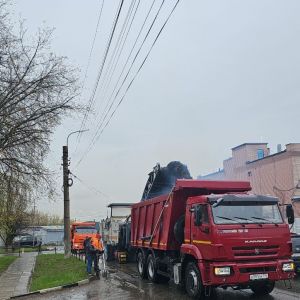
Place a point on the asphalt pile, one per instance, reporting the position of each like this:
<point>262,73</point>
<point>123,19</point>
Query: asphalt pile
<point>165,179</point>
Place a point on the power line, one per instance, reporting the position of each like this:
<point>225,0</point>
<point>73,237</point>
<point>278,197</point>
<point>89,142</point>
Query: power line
<point>136,40</point>
<point>89,187</point>
<point>131,82</point>
<point>93,44</point>
<point>88,64</point>
<point>128,57</point>
<point>104,114</point>
<point>92,98</point>
<point>98,132</point>
<point>119,44</point>
<point>127,60</point>
<point>94,40</point>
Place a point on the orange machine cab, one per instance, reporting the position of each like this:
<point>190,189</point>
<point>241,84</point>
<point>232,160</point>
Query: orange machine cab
<point>79,232</point>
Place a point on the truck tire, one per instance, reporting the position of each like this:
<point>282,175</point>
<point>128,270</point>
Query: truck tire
<point>141,265</point>
<point>193,282</point>
<point>262,288</point>
<point>152,269</point>
<point>179,230</point>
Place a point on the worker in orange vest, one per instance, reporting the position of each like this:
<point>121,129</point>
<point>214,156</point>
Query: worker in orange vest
<point>97,246</point>
<point>97,243</point>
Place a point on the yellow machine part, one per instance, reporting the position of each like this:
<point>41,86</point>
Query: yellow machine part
<point>122,257</point>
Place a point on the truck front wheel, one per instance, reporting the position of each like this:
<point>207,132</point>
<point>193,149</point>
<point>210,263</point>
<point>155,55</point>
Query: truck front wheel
<point>141,266</point>
<point>262,288</point>
<point>193,283</point>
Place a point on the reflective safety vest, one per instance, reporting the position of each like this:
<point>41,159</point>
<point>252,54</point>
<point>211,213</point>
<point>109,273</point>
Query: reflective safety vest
<point>97,243</point>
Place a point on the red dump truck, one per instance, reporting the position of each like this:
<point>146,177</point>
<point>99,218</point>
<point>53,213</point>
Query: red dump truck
<point>207,234</point>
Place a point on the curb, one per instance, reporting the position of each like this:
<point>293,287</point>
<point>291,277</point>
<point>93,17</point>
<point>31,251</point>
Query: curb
<point>56,288</point>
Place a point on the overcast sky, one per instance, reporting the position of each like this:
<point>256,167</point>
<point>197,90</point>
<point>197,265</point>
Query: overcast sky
<point>222,73</point>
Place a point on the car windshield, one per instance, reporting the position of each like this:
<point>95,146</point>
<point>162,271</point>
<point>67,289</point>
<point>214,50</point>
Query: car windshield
<point>226,213</point>
<point>86,230</point>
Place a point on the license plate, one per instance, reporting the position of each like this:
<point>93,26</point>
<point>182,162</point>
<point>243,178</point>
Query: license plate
<point>259,276</point>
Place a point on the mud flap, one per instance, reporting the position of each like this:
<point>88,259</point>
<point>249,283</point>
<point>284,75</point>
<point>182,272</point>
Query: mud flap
<point>288,284</point>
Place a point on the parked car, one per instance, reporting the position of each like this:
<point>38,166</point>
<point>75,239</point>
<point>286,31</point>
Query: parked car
<point>296,252</point>
<point>27,241</point>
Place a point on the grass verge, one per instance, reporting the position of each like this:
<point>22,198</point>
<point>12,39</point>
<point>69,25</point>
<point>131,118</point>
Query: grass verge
<point>295,285</point>
<point>54,270</point>
<point>5,261</point>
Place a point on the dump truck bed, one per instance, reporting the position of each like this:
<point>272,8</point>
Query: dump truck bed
<point>152,221</point>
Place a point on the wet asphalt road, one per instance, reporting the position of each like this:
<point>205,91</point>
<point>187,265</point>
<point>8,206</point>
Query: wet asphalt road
<point>124,283</point>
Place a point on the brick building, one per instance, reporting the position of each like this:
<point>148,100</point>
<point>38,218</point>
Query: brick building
<point>275,174</point>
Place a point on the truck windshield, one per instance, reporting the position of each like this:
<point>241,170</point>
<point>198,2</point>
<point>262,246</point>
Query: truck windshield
<point>230,213</point>
<point>86,230</point>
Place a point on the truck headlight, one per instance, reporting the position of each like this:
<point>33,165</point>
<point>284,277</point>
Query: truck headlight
<point>288,267</point>
<point>222,271</point>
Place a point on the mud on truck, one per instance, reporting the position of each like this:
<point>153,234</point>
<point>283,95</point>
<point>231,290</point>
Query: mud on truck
<point>207,234</point>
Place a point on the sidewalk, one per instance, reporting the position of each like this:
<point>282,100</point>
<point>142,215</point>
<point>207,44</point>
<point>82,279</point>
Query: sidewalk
<point>15,280</point>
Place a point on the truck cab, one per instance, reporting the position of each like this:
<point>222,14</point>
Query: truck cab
<point>238,240</point>
<point>79,232</point>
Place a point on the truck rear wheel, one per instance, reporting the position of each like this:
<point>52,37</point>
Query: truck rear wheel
<point>262,288</point>
<point>152,269</point>
<point>193,283</point>
<point>141,266</point>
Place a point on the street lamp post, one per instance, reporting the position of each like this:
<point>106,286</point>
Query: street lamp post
<point>66,185</point>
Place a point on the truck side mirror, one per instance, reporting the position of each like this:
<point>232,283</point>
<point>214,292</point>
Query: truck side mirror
<point>290,213</point>
<point>198,215</point>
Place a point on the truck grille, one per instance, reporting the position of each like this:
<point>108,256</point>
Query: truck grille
<point>253,251</point>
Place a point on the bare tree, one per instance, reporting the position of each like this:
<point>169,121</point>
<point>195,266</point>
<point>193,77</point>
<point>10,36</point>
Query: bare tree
<point>37,88</point>
<point>45,219</point>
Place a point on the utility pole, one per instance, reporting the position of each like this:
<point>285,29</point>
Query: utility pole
<point>67,182</point>
<point>66,172</point>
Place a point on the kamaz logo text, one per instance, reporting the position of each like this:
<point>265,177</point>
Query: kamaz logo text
<point>255,241</point>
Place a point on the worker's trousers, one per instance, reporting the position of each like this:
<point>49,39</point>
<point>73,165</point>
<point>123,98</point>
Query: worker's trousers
<point>89,262</point>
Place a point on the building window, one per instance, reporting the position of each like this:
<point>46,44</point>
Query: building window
<point>260,153</point>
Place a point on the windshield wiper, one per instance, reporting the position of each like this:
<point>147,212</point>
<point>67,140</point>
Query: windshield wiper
<point>236,221</point>
<point>243,219</point>
<point>225,218</point>
<point>263,219</point>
